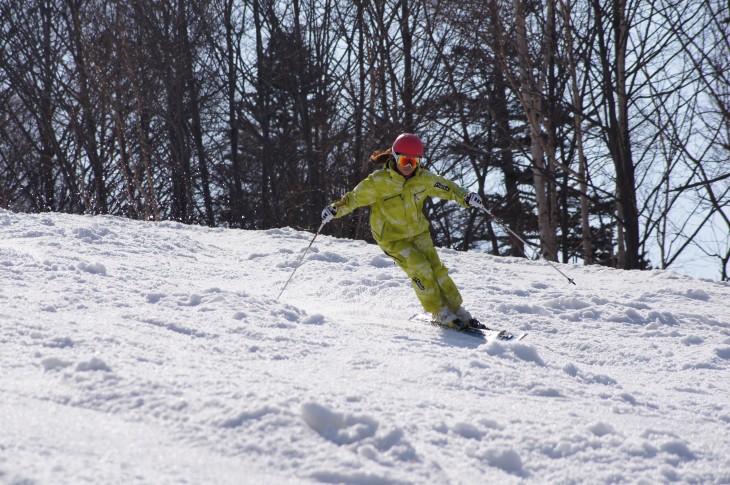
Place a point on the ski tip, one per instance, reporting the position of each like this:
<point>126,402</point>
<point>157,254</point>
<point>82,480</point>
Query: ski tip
<point>505,336</point>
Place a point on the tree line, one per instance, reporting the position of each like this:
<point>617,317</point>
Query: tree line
<point>597,131</point>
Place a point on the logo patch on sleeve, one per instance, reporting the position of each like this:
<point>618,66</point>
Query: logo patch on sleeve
<point>441,186</point>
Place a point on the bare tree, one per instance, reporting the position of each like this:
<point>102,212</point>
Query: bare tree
<point>613,25</point>
<point>85,124</point>
<point>567,12</point>
<point>528,81</point>
<point>31,65</point>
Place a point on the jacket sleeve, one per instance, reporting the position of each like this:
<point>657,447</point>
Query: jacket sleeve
<point>364,194</point>
<point>444,188</point>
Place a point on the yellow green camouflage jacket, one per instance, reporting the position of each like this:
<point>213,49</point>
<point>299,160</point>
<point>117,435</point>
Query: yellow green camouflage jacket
<point>397,202</point>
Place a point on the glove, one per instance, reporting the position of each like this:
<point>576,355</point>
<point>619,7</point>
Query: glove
<point>473,200</point>
<point>328,213</point>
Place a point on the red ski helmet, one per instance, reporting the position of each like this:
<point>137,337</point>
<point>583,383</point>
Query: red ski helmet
<point>408,144</point>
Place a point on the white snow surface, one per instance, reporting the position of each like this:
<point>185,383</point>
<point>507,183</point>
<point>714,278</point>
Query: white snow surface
<point>139,352</point>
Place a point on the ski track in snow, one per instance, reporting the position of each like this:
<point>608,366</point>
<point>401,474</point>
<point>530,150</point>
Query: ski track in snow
<point>137,352</point>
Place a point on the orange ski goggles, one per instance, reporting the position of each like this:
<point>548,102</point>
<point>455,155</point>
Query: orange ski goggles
<point>407,161</point>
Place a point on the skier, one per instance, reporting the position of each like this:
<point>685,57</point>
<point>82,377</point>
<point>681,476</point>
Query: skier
<point>396,194</point>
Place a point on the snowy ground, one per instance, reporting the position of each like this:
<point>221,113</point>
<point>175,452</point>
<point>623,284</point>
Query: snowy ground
<point>136,352</point>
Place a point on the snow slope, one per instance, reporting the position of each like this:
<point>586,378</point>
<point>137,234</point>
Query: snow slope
<point>135,352</point>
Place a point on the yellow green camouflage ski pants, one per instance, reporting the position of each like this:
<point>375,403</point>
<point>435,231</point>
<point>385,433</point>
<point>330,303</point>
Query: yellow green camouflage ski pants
<point>429,277</point>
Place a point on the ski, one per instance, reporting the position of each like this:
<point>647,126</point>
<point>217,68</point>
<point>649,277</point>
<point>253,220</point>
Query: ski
<point>480,331</point>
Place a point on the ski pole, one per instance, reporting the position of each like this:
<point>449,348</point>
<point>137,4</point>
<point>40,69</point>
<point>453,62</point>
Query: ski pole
<point>301,258</point>
<point>502,223</point>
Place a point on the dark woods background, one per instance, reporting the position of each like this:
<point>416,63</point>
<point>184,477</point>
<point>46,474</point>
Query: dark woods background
<point>595,129</point>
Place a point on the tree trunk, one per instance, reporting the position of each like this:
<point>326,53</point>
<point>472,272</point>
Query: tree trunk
<point>236,198</point>
<point>617,133</point>
<point>266,184</point>
<point>625,173</point>
<point>513,210</point>
<point>530,95</point>
<point>587,240</point>
<point>86,129</point>
<point>193,108</point>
